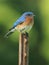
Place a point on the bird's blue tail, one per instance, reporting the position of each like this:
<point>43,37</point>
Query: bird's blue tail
<point>9,33</point>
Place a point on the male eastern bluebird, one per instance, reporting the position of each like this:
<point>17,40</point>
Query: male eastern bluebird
<point>23,24</point>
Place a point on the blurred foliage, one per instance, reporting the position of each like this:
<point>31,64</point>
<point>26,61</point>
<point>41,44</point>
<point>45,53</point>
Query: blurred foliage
<point>10,10</point>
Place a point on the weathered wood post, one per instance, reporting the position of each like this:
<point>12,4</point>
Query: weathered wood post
<point>23,49</point>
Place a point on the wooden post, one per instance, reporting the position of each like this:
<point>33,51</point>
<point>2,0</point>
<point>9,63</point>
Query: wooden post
<point>23,49</point>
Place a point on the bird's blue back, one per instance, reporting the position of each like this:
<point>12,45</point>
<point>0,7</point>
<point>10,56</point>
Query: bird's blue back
<point>21,19</point>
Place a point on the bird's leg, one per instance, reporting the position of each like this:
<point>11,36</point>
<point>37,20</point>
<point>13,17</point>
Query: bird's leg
<point>26,34</point>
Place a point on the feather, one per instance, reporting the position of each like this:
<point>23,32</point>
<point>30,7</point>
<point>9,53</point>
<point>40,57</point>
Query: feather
<point>20,20</point>
<point>9,33</point>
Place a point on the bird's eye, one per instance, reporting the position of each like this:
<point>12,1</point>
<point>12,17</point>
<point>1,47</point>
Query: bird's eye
<point>28,14</point>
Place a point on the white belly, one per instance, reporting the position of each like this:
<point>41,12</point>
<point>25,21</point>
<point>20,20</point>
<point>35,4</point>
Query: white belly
<point>25,28</point>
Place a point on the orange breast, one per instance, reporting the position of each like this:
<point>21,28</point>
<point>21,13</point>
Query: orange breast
<point>26,22</point>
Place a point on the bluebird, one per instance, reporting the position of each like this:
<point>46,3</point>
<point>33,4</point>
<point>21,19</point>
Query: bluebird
<point>23,24</point>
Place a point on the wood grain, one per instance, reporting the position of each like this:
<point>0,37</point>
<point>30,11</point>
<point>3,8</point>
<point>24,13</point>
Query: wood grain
<point>23,49</point>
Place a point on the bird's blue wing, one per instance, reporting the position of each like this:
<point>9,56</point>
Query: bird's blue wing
<point>20,20</point>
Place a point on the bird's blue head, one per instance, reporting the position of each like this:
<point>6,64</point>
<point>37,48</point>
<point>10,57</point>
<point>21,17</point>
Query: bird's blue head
<point>28,14</point>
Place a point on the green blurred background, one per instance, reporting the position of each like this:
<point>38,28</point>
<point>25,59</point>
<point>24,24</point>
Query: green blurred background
<point>10,11</point>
